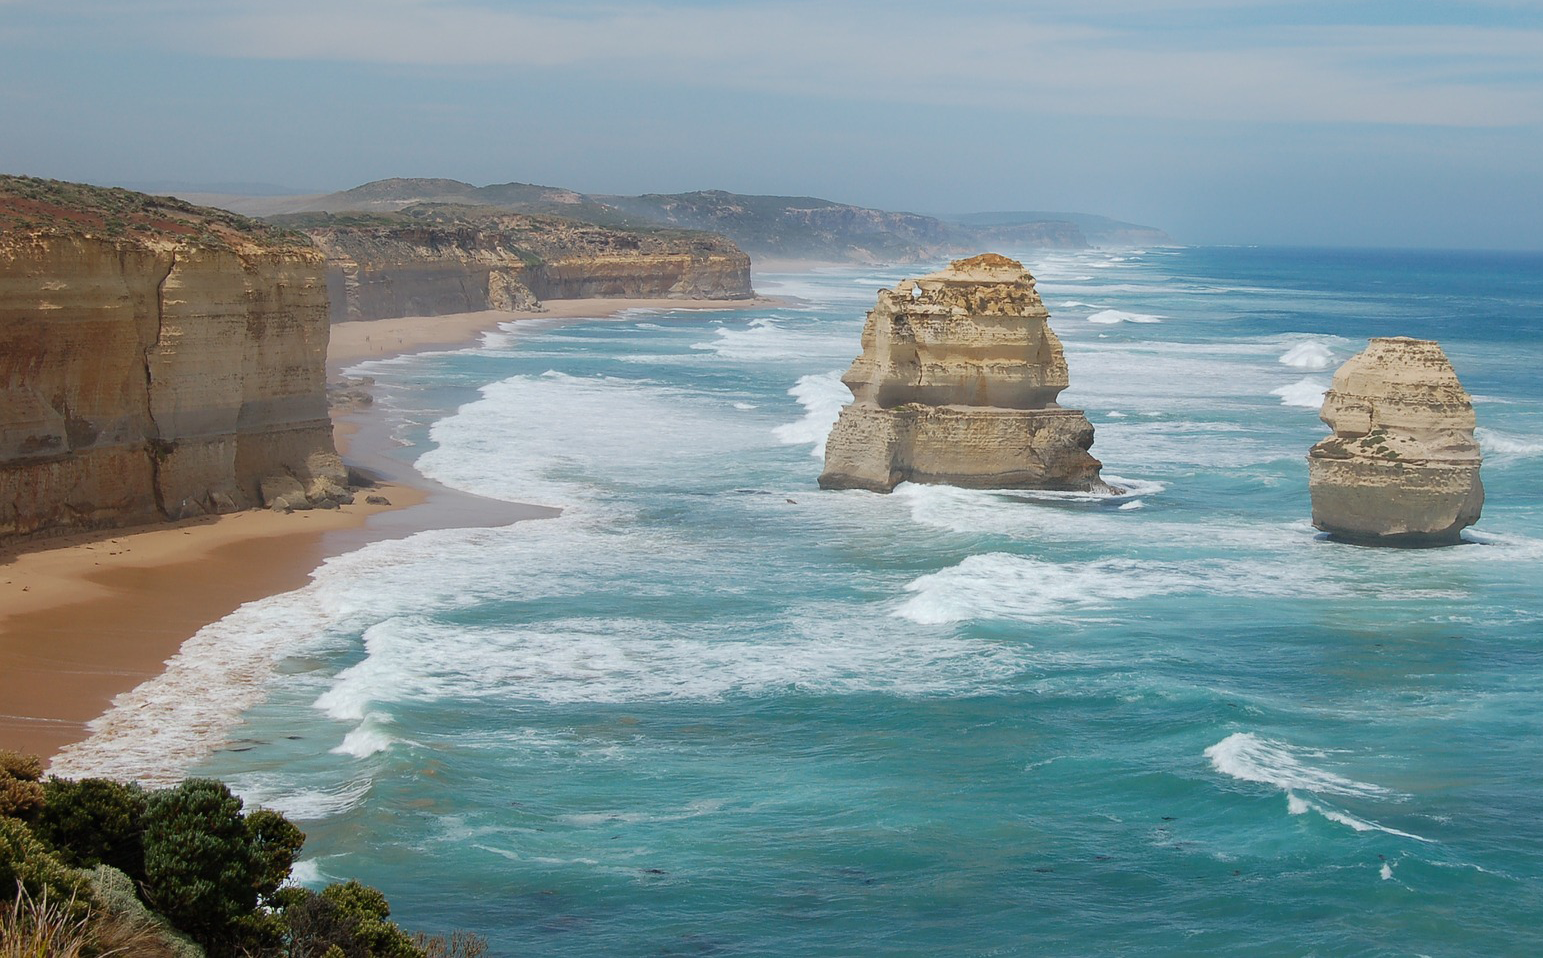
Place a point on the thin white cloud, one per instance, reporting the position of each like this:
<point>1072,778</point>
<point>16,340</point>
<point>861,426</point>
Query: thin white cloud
<point>1054,59</point>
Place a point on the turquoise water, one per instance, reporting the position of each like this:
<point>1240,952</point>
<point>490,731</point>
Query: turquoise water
<point>713,710</point>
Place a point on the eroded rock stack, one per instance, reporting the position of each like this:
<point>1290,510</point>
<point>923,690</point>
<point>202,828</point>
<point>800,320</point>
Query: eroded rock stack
<point>1402,467</point>
<point>159,360</point>
<point>957,384</point>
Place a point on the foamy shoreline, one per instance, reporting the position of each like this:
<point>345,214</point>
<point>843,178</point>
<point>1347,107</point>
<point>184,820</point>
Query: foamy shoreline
<point>89,619</point>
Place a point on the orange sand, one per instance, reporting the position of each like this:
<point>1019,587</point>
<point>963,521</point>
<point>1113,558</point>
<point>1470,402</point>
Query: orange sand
<point>85,618</point>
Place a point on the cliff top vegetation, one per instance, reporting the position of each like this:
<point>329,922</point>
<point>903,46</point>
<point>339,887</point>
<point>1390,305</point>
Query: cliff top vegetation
<point>30,206</point>
<point>544,236</point>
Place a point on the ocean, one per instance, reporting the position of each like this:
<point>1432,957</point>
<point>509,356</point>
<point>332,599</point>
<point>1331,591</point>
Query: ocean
<point>711,709</point>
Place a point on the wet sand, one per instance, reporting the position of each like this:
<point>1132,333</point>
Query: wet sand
<point>86,618</point>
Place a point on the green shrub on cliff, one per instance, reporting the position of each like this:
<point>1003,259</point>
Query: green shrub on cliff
<point>211,871</point>
<point>95,821</point>
<point>20,794</point>
<point>351,917</point>
<point>27,864</point>
<point>200,867</point>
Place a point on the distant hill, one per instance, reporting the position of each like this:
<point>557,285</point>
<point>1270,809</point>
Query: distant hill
<point>776,227</point>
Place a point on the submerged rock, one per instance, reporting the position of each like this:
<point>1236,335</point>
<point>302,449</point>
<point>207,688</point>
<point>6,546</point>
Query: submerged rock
<point>957,384</point>
<point>1402,467</point>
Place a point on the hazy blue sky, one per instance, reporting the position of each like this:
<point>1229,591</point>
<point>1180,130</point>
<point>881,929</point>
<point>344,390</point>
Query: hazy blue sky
<point>1403,122</point>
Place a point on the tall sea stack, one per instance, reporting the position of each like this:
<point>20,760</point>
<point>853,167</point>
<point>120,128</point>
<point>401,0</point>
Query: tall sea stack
<point>957,384</point>
<point>1402,467</point>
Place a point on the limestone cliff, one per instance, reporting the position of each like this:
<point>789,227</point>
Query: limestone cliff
<point>957,384</point>
<point>159,360</point>
<point>1402,467</point>
<point>430,260</point>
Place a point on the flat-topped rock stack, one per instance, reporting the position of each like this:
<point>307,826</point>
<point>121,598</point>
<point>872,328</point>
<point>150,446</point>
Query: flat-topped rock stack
<point>957,384</point>
<point>1402,467</point>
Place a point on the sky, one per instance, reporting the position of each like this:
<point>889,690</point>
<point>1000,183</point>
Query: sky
<point>1400,123</point>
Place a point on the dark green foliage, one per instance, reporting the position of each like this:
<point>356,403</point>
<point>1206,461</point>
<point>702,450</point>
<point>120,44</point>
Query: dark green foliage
<point>368,908</point>
<point>350,917</point>
<point>95,821</point>
<point>274,843</point>
<point>27,861</point>
<point>20,794</point>
<point>198,862</point>
<point>212,872</point>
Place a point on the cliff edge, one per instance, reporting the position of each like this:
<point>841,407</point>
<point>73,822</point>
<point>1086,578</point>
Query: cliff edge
<point>433,259</point>
<point>957,384</point>
<point>1402,467</point>
<point>160,360</point>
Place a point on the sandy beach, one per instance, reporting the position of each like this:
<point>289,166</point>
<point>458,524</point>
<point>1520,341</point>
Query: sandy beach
<point>85,618</point>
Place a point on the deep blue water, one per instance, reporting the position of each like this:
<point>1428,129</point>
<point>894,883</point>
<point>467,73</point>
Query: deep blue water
<point>714,710</point>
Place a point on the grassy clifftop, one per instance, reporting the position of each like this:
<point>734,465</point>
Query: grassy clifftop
<point>33,206</point>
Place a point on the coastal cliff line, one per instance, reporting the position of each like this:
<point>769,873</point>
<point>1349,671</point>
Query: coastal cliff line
<point>160,360</point>
<point>433,260</point>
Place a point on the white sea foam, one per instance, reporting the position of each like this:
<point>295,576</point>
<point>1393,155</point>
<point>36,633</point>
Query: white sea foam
<point>745,406</point>
<point>822,395</point>
<point>1309,355</point>
<point>1306,392</point>
<point>371,737</point>
<point>998,585</point>
<point>1112,316</point>
<point>1296,805</point>
<point>1249,758</point>
<point>155,731</point>
<point>616,660</point>
<point>1132,505</point>
<point>1500,445</point>
<point>574,435</point>
<point>308,873</point>
<point>300,804</point>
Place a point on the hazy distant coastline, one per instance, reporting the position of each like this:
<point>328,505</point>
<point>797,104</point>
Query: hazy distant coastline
<point>802,228</point>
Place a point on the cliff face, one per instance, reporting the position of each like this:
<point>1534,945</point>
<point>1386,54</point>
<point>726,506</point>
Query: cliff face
<point>159,360</point>
<point>957,384</point>
<point>428,260</point>
<point>1402,467</point>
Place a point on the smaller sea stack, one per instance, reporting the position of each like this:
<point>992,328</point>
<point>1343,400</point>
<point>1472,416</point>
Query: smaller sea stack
<point>957,384</point>
<point>1402,467</point>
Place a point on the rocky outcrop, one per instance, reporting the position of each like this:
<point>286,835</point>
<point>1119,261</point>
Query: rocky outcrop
<point>1402,467</point>
<point>434,260</point>
<point>957,384</point>
<point>159,360</point>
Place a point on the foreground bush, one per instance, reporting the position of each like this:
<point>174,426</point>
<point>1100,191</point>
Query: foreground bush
<point>20,794</point>
<point>28,868</point>
<point>35,927</point>
<point>85,857</point>
<point>95,821</point>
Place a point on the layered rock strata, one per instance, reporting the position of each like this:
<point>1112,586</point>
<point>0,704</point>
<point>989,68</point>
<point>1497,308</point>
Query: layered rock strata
<point>430,261</point>
<point>1402,467</point>
<point>957,384</point>
<point>159,360</point>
